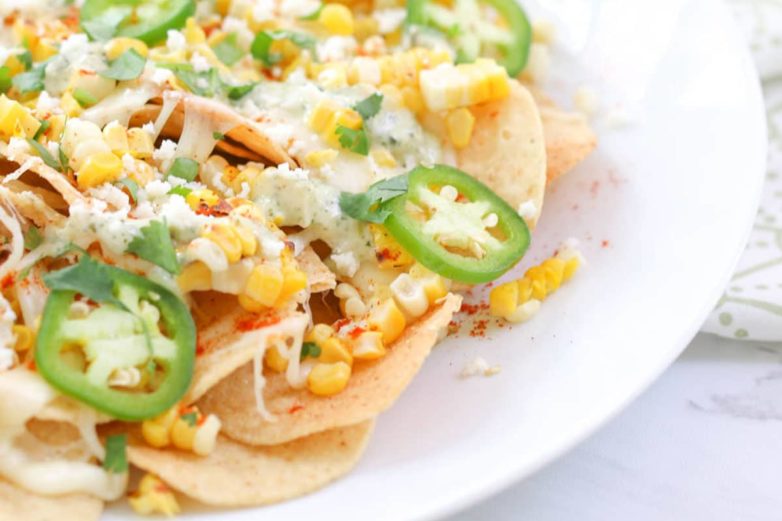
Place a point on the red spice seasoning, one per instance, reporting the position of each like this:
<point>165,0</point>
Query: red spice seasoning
<point>295,408</point>
<point>253,322</point>
<point>7,281</point>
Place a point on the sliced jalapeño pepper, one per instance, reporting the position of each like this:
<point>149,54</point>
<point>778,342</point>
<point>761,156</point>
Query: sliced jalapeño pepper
<point>456,226</point>
<point>474,32</point>
<point>146,20</point>
<point>131,357</point>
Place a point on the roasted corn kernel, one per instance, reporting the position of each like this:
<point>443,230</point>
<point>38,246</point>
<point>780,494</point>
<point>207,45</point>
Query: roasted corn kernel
<point>195,277</point>
<point>116,137</point>
<point>103,167</point>
<point>225,236</point>
<point>328,379</point>
<point>369,346</point>
<point>264,284</point>
<point>451,86</point>
<point>388,319</point>
<point>140,143</point>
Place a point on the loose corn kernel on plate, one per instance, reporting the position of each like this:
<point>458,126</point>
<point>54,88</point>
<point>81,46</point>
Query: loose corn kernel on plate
<point>232,231</point>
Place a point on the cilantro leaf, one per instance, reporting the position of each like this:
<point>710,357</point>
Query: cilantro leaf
<point>190,418</point>
<point>365,207</point>
<point>228,50</point>
<point>31,81</point>
<point>353,140</point>
<point>154,245</point>
<point>64,161</point>
<point>219,136</point>
<point>205,83</point>
<point>128,66</point>
<point>262,44</point>
<point>84,98</point>
<point>5,79</point>
<point>236,92</point>
<point>26,59</point>
<point>132,187</point>
<point>369,106</point>
<point>44,154</point>
<point>88,277</point>
<point>105,25</point>
<point>180,190</point>
<point>116,458</point>
<point>310,349</point>
<point>183,168</point>
<point>33,238</point>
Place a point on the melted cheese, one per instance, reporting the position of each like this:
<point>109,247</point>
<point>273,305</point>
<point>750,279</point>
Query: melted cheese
<point>198,131</point>
<point>11,223</point>
<point>119,106</point>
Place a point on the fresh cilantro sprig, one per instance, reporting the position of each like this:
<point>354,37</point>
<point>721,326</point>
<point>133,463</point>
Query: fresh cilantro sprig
<point>30,81</point>
<point>261,47</point>
<point>228,50</point>
<point>353,140</point>
<point>207,83</point>
<point>184,168</point>
<point>128,66</point>
<point>154,245</point>
<point>88,277</point>
<point>5,79</point>
<point>367,206</point>
<point>47,157</point>
<point>369,106</point>
<point>116,459</point>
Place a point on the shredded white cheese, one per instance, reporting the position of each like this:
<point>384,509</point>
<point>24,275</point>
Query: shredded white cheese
<point>478,366</point>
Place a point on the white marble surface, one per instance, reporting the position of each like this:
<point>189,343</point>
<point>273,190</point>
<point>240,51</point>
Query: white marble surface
<point>703,443</point>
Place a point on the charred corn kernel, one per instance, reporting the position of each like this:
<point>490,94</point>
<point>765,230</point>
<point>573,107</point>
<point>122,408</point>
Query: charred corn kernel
<point>222,7</point>
<point>328,379</point>
<point>25,337</point>
<point>504,299</point>
<point>140,143</point>
<point>13,117</point>
<point>460,123</point>
<point>413,100</point>
<point>409,295</point>
<point>451,86</point>
<point>264,284</point>
<point>116,136</point>
<point>387,250</point>
<point>388,319</point>
<point>369,346</point>
<point>153,497</point>
<point>195,277</point>
<point>319,158</point>
<point>193,32</point>
<point>87,148</point>
<point>141,172</point>
<point>246,176</point>
<point>247,239</point>
<point>224,235</point>
<point>204,196</point>
<point>435,286</point>
<point>337,19</point>
<point>117,46</point>
<point>103,167</point>
<point>382,157</point>
<point>206,435</point>
<point>156,431</point>
<point>274,360</point>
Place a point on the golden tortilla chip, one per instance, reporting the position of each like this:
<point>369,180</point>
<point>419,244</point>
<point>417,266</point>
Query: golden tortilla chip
<point>30,205</point>
<point>374,386</point>
<point>18,504</point>
<point>507,150</point>
<point>319,276</point>
<point>237,475</point>
<point>569,138</point>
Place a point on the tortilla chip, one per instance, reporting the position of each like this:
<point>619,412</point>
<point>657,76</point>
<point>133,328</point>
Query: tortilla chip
<point>374,386</point>
<point>18,504</point>
<point>319,276</point>
<point>30,205</point>
<point>507,150</point>
<point>237,475</point>
<point>245,140</point>
<point>569,138</point>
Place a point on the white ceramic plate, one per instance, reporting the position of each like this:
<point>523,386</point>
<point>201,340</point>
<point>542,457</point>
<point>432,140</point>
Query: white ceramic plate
<point>662,211</point>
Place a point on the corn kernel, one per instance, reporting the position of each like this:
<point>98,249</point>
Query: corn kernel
<point>204,196</point>
<point>224,235</point>
<point>14,116</point>
<point>153,497</point>
<point>333,76</point>
<point>99,168</point>
<point>116,136</point>
<point>413,100</point>
<point>382,157</point>
<point>334,350</point>
<point>206,435</point>
<point>409,295</point>
<point>117,46</point>
<point>141,172</point>
<point>319,158</point>
<point>337,19</point>
<point>156,431</point>
<point>328,379</point>
<point>369,346</point>
<point>250,305</point>
<point>435,286</point>
<point>570,268</point>
<point>222,7</point>
<point>274,360</point>
<point>504,299</point>
<point>247,239</point>
<point>25,337</point>
<point>364,27</point>
<point>193,32</point>
<point>319,333</point>
<point>69,105</point>
<point>140,143</point>
<point>389,252</point>
<point>388,319</point>
<point>294,280</point>
<point>264,284</point>
<point>183,433</point>
<point>195,277</point>
<point>460,123</point>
